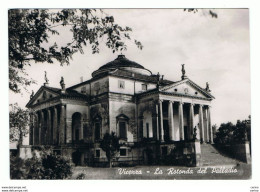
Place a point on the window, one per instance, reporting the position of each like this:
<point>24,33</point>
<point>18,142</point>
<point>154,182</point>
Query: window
<point>77,134</point>
<point>144,87</point>
<point>147,129</point>
<point>121,122</point>
<point>85,131</point>
<point>98,153</point>
<point>122,129</point>
<point>121,84</point>
<point>123,152</point>
<point>141,131</point>
<point>76,126</point>
<point>97,130</point>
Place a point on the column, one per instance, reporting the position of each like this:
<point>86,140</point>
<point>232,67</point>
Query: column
<point>206,125</point>
<point>170,120</point>
<point>55,125</point>
<point>41,128</point>
<point>31,129</point>
<point>191,127</point>
<point>62,125</point>
<point>154,125</point>
<point>209,126</point>
<point>181,125</point>
<point>36,130</point>
<point>68,130</point>
<point>161,121</point>
<point>81,128</point>
<point>157,120</point>
<point>48,123</point>
<point>140,125</point>
<point>201,123</point>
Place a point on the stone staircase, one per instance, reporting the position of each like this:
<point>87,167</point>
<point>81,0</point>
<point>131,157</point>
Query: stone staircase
<point>212,157</point>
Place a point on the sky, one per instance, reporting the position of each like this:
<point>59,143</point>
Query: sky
<point>213,50</point>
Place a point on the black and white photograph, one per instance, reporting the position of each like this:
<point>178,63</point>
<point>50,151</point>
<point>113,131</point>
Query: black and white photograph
<point>129,94</point>
<point>153,100</point>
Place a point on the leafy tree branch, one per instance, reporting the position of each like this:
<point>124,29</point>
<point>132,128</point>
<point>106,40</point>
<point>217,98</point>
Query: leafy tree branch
<point>30,31</point>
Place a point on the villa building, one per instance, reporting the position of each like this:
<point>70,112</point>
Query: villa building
<point>153,117</point>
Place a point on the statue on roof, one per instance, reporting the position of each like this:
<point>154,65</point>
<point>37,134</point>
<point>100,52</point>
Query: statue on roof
<point>45,77</point>
<point>182,69</point>
<point>62,84</point>
<point>31,96</point>
<point>183,72</point>
<point>207,87</point>
<point>158,79</point>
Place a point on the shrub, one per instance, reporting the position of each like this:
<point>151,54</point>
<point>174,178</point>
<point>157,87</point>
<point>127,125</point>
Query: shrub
<point>16,168</point>
<point>49,166</point>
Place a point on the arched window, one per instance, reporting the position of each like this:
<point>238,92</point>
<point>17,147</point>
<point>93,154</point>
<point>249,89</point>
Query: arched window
<point>76,126</point>
<point>122,122</point>
<point>98,127</point>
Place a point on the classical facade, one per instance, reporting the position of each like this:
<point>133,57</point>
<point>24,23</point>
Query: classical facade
<point>152,116</point>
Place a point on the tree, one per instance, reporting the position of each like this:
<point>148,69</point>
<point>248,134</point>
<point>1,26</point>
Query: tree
<point>229,133</point>
<point>18,122</point>
<point>243,131</point>
<point>225,133</point>
<point>31,29</point>
<point>110,144</point>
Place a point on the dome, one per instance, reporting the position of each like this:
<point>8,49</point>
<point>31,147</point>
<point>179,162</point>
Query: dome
<point>121,62</point>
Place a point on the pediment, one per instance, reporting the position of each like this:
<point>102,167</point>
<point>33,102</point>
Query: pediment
<point>186,87</point>
<point>43,94</point>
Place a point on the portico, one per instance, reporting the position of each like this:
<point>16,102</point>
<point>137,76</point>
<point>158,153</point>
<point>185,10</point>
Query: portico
<point>175,120</point>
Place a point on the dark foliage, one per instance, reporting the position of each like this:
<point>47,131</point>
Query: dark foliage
<point>209,12</point>
<point>229,133</point>
<point>49,166</point>
<point>17,168</point>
